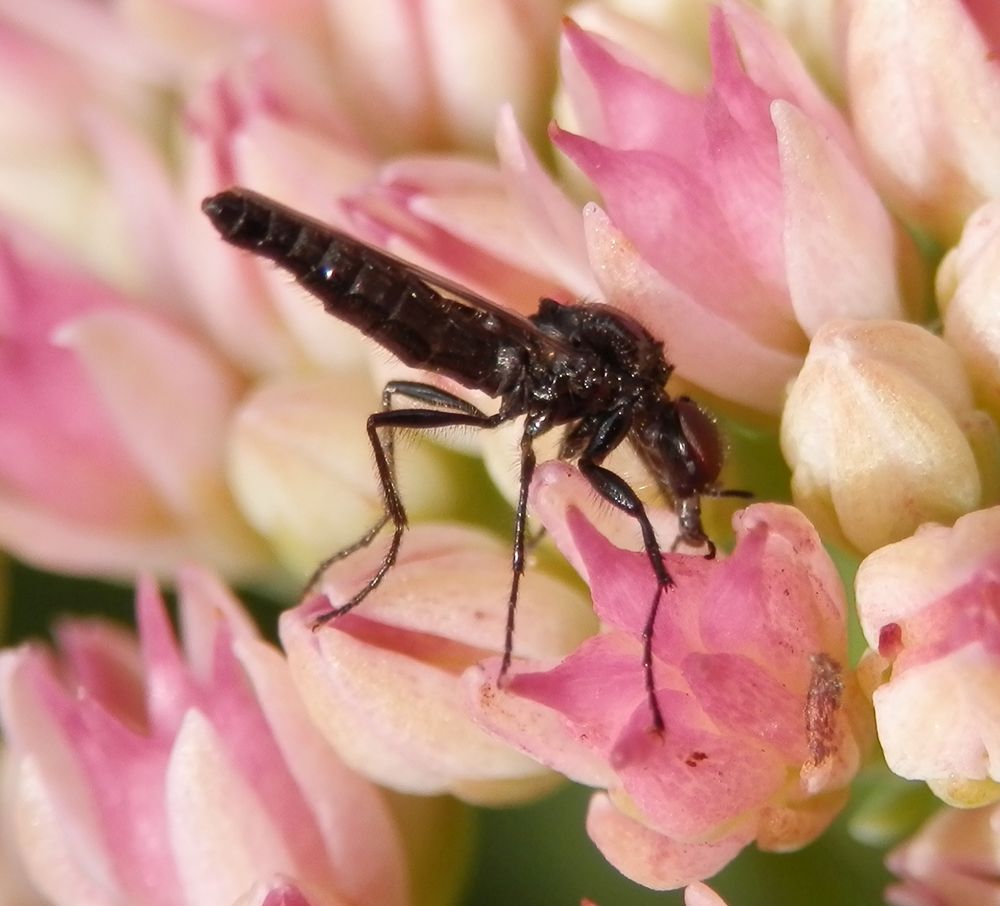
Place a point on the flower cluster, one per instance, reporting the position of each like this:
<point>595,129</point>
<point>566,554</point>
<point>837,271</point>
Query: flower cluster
<point>802,205</point>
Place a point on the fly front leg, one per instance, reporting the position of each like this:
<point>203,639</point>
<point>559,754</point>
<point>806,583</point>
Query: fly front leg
<point>415,419</point>
<point>613,488</point>
<point>531,428</point>
<point>413,390</point>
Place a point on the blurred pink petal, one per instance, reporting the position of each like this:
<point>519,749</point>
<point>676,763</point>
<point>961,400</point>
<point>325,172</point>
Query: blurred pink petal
<point>925,97</point>
<point>553,223</point>
<point>218,780</point>
<point>952,859</point>
<point>967,286</point>
<point>436,74</point>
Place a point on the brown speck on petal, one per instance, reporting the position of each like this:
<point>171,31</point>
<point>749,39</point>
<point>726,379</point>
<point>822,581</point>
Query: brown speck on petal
<point>822,701</point>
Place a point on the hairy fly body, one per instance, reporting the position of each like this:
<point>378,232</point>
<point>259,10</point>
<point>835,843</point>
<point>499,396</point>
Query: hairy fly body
<point>588,367</point>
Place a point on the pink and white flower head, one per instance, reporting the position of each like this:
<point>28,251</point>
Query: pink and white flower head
<point>735,223</point>
<point>151,775</point>
<point>384,682</point>
<point>928,606</point>
<point>765,726</point>
<point>924,85</point>
<point>951,861</point>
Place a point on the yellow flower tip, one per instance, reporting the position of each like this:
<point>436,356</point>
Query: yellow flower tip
<point>963,793</point>
<point>881,433</point>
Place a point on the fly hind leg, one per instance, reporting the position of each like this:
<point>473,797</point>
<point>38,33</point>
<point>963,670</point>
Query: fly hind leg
<point>423,393</point>
<point>389,422</point>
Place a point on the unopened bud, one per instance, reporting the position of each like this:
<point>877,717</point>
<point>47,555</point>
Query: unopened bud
<point>881,434</point>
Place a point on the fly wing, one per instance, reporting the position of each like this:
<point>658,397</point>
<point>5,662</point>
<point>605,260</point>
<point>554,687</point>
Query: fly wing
<point>426,320</point>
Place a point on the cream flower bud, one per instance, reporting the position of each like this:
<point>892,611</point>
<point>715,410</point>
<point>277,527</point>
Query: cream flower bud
<point>881,434</point>
<point>384,682</point>
<point>302,469</point>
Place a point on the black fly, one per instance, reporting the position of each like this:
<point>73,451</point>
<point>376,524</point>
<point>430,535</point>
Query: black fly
<point>587,366</point>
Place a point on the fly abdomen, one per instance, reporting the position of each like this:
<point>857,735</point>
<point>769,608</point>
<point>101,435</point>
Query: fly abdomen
<point>379,295</point>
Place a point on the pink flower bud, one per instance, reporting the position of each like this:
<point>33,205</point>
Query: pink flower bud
<point>383,682</point>
<point>925,95</point>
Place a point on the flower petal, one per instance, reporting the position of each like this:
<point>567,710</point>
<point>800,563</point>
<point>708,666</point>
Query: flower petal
<point>649,858</point>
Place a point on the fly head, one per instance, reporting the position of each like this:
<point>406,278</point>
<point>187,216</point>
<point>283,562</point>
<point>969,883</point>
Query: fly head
<point>680,444</point>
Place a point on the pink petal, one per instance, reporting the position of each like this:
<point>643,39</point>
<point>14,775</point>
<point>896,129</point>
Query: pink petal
<point>624,107</point>
<point>397,720</point>
<point>738,695</point>
<point>623,587</point>
<point>701,343</point>
<point>693,779</point>
<point>286,894</point>
<point>362,851</point>
<point>534,729</point>
<point>699,894</point>
<point>779,599</point>
<point>840,244</point>
<point>59,447</point>
<point>557,488</point>
<point>59,857</point>
<point>219,831</point>
<point>56,792</point>
<point>925,95</point>
<point>745,177</point>
<point>900,580</point>
<point>232,302</point>
<point>939,720</point>
<point>497,53</point>
<point>661,205</point>
<point>551,221</point>
<point>147,372</point>
<point>776,67</point>
<point>395,100</point>
<point>103,659</point>
<point>653,860</point>
<point>595,690</point>
<point>203,601</point>
<point>169,687</point>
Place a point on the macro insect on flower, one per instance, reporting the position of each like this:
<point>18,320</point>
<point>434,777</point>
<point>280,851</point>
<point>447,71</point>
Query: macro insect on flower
<point>586,366</point>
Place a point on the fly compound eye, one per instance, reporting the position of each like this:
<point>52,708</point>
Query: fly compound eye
<point>703,441</point>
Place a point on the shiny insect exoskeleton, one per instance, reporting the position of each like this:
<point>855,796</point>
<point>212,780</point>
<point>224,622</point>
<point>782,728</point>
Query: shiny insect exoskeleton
<point>588,367</point>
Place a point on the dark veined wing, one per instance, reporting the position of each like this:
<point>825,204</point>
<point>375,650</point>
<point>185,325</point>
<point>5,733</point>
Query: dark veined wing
<point>426,320</point>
